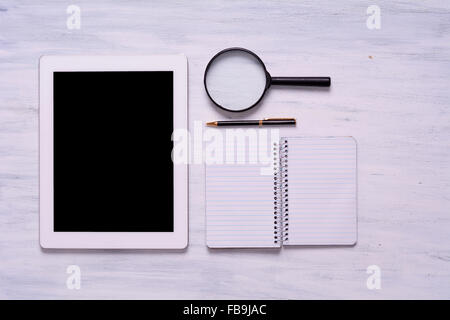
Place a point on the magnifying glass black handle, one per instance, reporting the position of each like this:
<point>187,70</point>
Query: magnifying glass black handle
<point>301,81</point>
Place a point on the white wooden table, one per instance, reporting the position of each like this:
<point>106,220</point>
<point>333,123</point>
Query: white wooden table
<point>390,90</point>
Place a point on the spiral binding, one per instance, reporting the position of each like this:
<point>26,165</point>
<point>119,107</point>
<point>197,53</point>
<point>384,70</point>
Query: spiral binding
<point>281,210</point>
<point>284,183</point>
<point>277,228</point>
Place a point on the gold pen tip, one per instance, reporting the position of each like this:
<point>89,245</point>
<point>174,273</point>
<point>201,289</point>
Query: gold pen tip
<point>212,124</point>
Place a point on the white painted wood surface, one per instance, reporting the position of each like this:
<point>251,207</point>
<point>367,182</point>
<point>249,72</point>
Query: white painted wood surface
<point>390,90</point>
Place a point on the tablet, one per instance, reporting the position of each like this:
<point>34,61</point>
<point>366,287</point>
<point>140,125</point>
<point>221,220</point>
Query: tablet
<point>107,179</point>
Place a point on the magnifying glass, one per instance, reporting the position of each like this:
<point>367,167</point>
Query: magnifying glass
<point>236,80</point>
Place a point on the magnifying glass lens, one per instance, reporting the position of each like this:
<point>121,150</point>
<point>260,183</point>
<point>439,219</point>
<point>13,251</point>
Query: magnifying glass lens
<point>236,80</point>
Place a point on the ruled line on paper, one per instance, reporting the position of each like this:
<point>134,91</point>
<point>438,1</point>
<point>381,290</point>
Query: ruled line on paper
<point>322,191</point>
<point>239,207</point>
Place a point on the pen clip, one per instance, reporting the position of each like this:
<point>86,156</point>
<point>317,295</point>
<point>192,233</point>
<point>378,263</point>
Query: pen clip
<point>279,118</point>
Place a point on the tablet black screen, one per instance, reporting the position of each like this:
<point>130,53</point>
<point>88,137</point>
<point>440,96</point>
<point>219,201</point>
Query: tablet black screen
<point>112,151</point>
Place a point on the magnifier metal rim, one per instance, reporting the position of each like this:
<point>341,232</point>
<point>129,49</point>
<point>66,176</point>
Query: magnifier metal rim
<point>246,51</point>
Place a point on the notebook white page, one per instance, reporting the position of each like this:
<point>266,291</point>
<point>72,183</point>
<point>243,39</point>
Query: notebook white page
<point>239,206</point>
<point>321,191</point>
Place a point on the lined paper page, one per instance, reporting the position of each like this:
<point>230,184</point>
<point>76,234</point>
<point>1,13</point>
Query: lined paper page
<point>322,191</point>
<point>239,207</point>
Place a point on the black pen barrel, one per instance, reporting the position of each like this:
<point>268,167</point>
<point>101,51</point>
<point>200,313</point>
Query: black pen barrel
<point>260,123</point>
<point>280,122</point>
<point>234,123</point>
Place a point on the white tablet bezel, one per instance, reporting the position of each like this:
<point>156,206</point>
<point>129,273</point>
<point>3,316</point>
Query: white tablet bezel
<point>110,240</point>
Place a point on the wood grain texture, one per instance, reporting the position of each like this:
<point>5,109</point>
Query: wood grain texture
<point>390,90</point>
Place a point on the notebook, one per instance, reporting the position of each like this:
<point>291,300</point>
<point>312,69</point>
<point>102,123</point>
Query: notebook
<point>308,199</point>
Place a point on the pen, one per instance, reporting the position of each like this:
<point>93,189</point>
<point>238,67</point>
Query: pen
<point>259,123</point>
